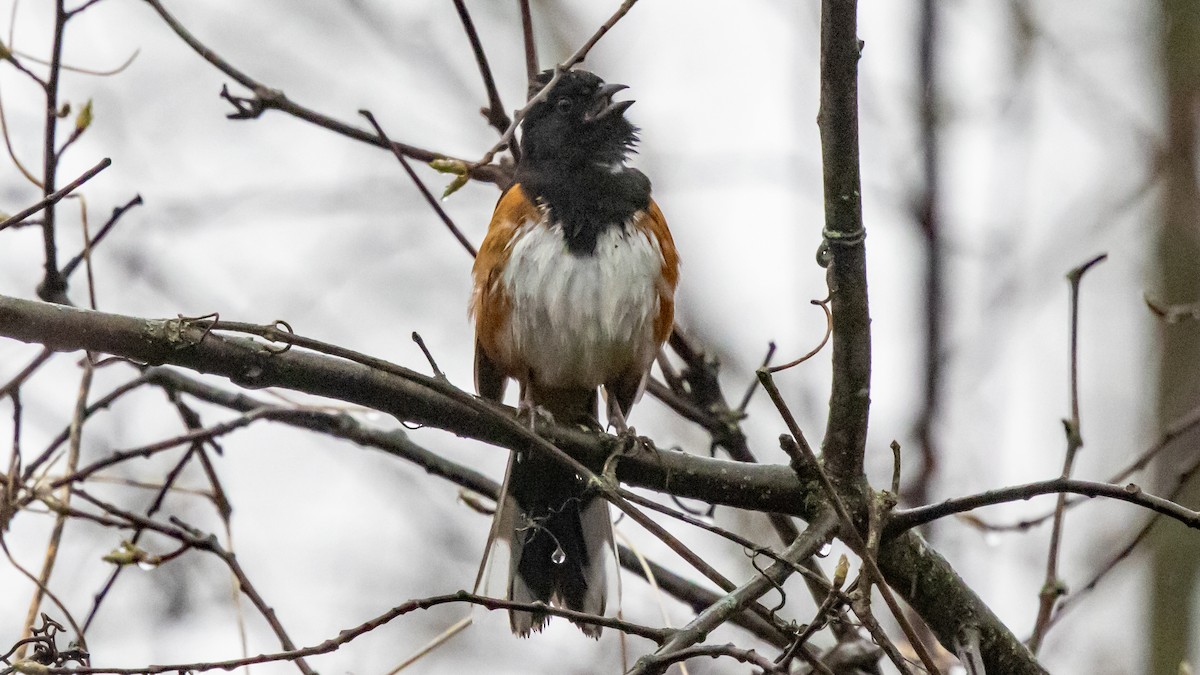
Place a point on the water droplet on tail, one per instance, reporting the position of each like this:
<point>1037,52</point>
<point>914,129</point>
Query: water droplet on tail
<point>559,556</point>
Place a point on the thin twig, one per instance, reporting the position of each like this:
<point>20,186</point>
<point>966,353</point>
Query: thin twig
<point>1073,599</point>
<point>193,538</point>
<point>119,211</point>
<point>821,617</point>
<point>64,498</point>
<point>145,451</point>
<point>11,387</point>
<point>531,58</point>
<point>81,8</point>
<point>748,656</point>
<point>1053,588</point>
<point>1183,425</point>
<point>494,112</point>
<point>823,304</point>
<point>84,71</point>
<point>266,98</point>
<point>699,598</point>
<point>433,202</point>
<point>861,602</point>
<point>53,286</point>
<point>42,588</point>
<point>581,53</point>
<point>56,196</point>
<point>754,383</point>
<point>807,544</point>
<point>350,634</point>
<point>849,528</point>
<point>437,372</point>
<point>101,404</point>
<point>751,548</point>
<point>907,519</point>
<point>155,505</point>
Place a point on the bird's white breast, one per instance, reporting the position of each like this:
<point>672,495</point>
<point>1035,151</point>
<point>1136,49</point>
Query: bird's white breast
<point>580,320</point>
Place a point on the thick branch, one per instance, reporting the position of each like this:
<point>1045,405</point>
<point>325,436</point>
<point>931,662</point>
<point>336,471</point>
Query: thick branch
<point>849,400</point>
<point>948,605</point>
<point>907,562</point>
<point>252,365</point>
<point>396,442</point>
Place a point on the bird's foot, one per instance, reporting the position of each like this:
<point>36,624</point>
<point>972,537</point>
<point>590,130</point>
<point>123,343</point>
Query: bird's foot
<point>627,439</point>
<point>532,415</point>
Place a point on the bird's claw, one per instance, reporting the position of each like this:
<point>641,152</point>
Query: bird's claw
<point>533,415</point>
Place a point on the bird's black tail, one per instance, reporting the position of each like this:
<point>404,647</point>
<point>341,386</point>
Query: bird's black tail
<point>560,530</point>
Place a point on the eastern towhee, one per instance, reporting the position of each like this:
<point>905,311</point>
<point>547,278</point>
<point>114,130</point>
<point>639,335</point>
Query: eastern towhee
<point>574,290</point>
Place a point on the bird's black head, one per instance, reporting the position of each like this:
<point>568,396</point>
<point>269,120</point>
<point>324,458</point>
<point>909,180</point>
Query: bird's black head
<point>577,123</point>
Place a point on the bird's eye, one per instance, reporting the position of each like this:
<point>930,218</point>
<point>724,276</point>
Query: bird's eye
<point>564,105</point>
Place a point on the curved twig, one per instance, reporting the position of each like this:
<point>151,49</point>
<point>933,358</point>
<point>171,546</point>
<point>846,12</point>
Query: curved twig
<point>909,518</point>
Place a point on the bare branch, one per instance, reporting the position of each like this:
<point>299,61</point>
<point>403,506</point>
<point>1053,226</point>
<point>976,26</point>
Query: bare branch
<point>56,196</point>
<point>266,98</point>
<point>415,397</point>
<point>397,443</point>
<point>195,539</point>
<point>350,634</point>
<point>1053,588</point>
<point>494,112</point>
<point>119,211</point>
<point>909,518</point>
<point>581,53</point>
<point>531,59</point>
<point>53,287</point>
<point>844,252</point>
<point>429,198</point>
<point>803,461</point>
<point>807,544</point>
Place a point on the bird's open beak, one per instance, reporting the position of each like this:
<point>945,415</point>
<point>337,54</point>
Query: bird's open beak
<point>603,104</point>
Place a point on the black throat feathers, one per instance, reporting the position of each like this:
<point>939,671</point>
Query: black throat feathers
<point>587,200</point>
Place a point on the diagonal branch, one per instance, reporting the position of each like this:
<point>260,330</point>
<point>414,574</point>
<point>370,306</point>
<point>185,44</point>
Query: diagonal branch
<point>57,195</point>
<point>805,545</point>
<point>265,98</point>
<point>804,460</point>
<point>412,175</point>
<point>397,443</point>
<point>494,112</point>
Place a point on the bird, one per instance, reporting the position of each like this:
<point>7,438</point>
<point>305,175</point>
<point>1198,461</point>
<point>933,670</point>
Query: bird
<point>574,291</point>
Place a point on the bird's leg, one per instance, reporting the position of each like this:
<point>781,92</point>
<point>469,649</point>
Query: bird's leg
<point>525,406</point>
<point>627,438</point>
<point>530,412</point>
<point>616,418</point>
